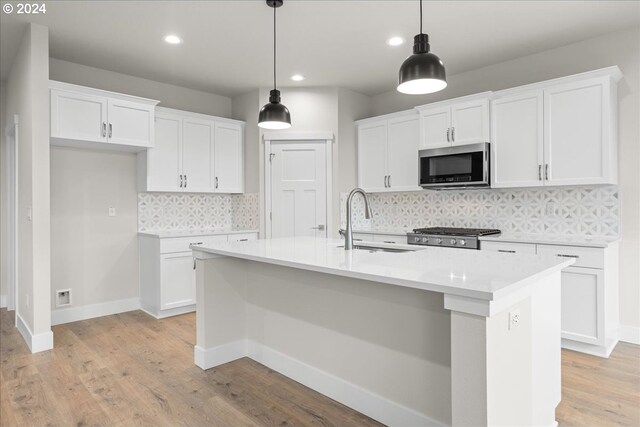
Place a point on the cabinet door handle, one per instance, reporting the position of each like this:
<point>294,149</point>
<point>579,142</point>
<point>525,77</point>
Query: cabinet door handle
<point>448,134</point>
<point>506,251</point>
<point>216,182</point>
<point>385,181</point>
<point>539,172</point>
<point>389,241</point>
<point>194,263</point>
<point>453,134</point>
<point>104,129</point>
<point>389,181</point>
<point>181,181</point>
<point>185,181</point>
<point>568,256</point>
<point>546,171</point>
<point>110,130</point>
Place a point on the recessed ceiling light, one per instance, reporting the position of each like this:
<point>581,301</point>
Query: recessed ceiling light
<point>297,77</point>
<point>395,41</point>
<point>172,39</point>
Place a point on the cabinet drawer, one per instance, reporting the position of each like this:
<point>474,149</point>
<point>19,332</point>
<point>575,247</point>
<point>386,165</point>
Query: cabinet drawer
<point>243,237</point>
<point>512,248</point>
<point>585,257</point>
<point>386,238</point>
<point>181,244</point>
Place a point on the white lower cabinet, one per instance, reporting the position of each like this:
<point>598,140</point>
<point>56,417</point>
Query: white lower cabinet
<point>167,275</point>
<point>589,293</point>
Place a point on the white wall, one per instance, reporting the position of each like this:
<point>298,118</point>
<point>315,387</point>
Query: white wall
<point>245,107</point>
<point>28,96</point>
<point>170,96</point>
<point>95,255</point>
<point>3,196</point>
<point>621,48</point>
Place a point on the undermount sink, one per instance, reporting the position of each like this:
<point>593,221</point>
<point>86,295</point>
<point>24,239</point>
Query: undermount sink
<point>377,248</point>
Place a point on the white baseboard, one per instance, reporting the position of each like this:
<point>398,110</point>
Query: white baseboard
<point>3,301</point>
<point>358,398</point>
<point>594,350</point>
<point>161,314</point>
<point>74,314</point>
<point>38,342</point>
<point>211,357</point>
<point>630,334</point>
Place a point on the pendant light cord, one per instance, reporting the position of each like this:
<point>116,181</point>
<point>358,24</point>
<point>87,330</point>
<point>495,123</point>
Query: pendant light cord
<point>274,47</point>
<point>420,16</point>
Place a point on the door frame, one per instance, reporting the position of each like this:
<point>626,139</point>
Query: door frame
<point>11,177</point>
<point>297,137</point>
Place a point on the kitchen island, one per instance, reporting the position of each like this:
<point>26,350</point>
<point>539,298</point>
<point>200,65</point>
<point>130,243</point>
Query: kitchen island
<point>434,336</point>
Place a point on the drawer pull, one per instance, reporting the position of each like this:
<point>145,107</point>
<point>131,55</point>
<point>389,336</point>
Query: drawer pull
<point>568,256</point>
<point>506,251</point>
<point>389,241</point>
<point>243,240</point>
<point>197,243</point>
<point>357,240</point>
<point>194,263</point>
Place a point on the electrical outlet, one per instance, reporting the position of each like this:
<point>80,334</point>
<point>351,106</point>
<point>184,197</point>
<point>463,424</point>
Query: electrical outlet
<point>551,209</point>
<point>112,211</point>
<point>514,319</point>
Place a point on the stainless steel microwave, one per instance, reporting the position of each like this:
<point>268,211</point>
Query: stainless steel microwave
<point>457,166</point>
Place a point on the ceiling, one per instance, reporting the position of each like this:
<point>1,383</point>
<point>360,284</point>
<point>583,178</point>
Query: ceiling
<point>227,44</point>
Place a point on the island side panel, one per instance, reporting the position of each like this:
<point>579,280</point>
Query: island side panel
<point>381,349</point>
<point>505,374</point>
<point>220,311</point>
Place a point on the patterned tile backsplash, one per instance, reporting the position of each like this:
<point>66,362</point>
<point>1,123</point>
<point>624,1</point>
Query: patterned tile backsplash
<point>171,211</point>
<point>585,210</point>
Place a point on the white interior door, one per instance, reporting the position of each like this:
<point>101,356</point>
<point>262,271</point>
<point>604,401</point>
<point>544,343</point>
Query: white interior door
<point>298,189</point>
<point>12,215</point>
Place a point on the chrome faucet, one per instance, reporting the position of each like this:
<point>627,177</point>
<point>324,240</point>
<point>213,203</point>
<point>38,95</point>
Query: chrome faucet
<point>348,233</point>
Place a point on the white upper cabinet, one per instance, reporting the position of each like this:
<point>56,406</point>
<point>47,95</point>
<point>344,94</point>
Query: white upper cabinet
<point>516,148</point>
<point>560,132</point>
<point>580,132</point>
<point>436,127</point>
<point>388,152</point>
<point>228,158</point>
<point>130,123</point>
<point>194,153</point>
<point>78,116</point>
<point>165,159</point>
<point>458,121</point>
<point>402,152</point>
<point>197,155</point>
<point>82,117</point>
<point>372,156</point>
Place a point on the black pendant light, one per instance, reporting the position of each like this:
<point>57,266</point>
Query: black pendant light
<point>423,72</point>
<point>274,115</point>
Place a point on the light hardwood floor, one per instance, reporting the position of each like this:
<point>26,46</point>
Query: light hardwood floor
<point>130,369</point>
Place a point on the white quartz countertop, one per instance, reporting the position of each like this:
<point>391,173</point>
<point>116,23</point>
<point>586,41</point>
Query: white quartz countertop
<point>485,275</point>
<point>549,239</point>
<point>189,233</point>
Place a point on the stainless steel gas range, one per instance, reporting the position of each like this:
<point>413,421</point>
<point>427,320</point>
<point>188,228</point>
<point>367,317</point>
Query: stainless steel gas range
<point>466,238</point>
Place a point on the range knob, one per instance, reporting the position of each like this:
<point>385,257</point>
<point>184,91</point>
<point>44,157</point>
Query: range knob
<point>416,239</point>
<point>453,241</point>
<point>425,240</point>
<point>438,241</point>
<point>463,242</point>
